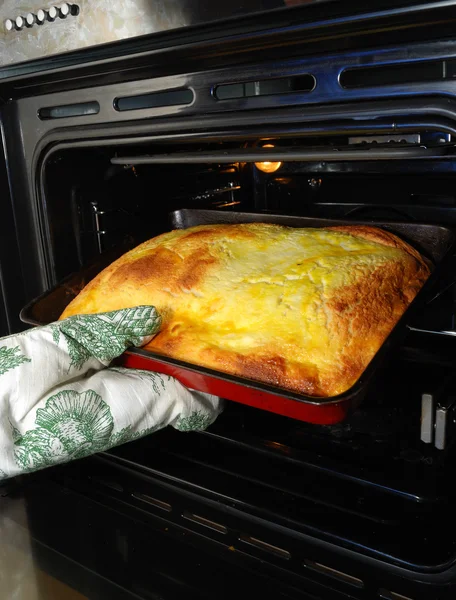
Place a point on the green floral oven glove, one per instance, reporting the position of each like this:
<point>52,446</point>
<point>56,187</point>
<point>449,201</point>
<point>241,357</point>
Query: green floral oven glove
<point>59,401</point>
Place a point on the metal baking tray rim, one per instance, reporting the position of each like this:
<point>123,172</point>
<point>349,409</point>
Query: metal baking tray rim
<point>235,379</point>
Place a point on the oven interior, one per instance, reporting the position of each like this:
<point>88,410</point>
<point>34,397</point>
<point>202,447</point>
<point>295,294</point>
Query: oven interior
<point>255,483</point>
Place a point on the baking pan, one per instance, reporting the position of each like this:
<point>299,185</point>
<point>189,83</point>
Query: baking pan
<point>433,241</point>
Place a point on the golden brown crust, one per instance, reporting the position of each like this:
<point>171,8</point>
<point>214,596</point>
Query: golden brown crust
<point>304,310</point>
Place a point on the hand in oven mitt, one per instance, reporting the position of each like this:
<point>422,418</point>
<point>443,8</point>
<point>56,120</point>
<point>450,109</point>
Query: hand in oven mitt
<point>60,401</point>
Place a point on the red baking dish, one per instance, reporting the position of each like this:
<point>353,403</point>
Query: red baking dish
<point>433,241</point>
<point>237,389</point>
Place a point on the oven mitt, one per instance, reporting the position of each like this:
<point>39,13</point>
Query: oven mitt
<point>59,401</point>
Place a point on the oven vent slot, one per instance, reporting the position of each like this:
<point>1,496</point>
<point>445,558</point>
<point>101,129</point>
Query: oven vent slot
<point>108,483</point>
<point>387,595</point>
<point>252,541</point>
<point>333,573</point>
<point>396,74</point>
<point>178,97</point>
<point>69,110</point>
<point>265,87</point>
<point>204,522</point>
<point>165,506</point>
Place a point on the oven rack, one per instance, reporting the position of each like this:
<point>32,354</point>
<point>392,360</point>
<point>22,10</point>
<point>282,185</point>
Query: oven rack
<point>308,154</point>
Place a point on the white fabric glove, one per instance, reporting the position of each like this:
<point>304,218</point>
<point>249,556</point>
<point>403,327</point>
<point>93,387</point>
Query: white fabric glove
<point>60,402</point>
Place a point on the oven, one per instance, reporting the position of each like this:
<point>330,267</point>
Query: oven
<point>351,116</point>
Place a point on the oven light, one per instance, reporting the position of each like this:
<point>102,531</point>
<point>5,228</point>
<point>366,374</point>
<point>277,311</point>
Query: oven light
<point>267,166</point>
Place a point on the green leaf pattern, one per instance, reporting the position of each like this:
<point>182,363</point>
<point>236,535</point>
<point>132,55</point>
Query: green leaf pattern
<point>105,336</point>
<point>15,433</point>
<point>197,421</point>
<point>79,355</point>
<point>55,330</point>
<point>10,358</point>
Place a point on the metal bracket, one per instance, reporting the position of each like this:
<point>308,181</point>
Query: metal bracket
<point>427,418</point>
<point>445,423</point>
<point>438,416</point>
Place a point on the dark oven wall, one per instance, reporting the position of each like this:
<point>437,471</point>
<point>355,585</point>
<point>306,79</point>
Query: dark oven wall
<point>11,280</point>
<point>95,206</point>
